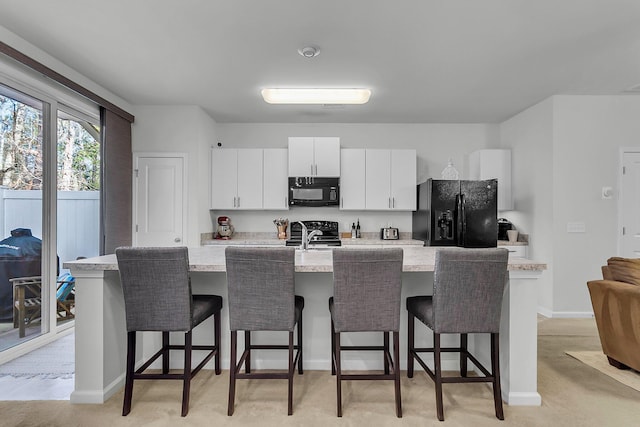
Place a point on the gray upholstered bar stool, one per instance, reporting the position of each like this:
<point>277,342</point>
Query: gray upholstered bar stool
<point>366,298</point>
<point>468,285</point>
<point>262,297</point>
<point>157,297</point>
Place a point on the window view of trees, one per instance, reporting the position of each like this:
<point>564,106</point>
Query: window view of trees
<point>21,149</point>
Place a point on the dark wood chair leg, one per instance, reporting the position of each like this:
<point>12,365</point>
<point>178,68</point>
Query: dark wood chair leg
<point>186,385</point>
<point>396,372</point>
<point>131,360</point>
<point>495,368</point>
<point>616,364</point>
<point>216,339</point>
<point>385,361</point>
<point>438,375</point>
<point>247,348</point>
<point>463,355</point>
<point>300,370</point>
<point>333,348</point>
<point>338,373</point>
<point>165,352</point>
<point>290,379</point>
<point>232,372</point>
<point>410,344</point>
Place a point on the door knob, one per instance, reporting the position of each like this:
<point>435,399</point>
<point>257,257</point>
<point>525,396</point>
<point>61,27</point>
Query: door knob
<point>177,240</point>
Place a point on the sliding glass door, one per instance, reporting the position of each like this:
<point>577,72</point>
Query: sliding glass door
<point>24,294</point>
<point>50,175</point>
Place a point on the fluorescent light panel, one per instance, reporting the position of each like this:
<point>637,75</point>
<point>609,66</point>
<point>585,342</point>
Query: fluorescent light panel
<point>316,96</point>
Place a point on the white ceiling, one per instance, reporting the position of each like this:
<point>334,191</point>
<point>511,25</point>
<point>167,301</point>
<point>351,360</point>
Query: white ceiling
<point>426,61</point>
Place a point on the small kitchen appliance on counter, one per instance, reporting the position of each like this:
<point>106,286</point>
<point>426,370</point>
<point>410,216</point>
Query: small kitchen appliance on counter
<point>504,225</point>
<point>329,236</point>
<point>225,229</point>
<point>389,233</point>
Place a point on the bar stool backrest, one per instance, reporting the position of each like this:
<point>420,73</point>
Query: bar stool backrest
<point>366,289</point>
<point>468,286</point>
<point>261,287</point>
<point>156,287</point>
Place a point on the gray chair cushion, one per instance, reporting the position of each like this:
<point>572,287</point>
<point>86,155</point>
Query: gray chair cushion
<point>366,289</point>
<point>261,287</point>
<point>468,286</point>
<point>157,290</point>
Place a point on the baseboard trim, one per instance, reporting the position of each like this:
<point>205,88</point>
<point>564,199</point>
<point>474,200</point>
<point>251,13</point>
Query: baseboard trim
<point>526,398</point>
<point>565,314</point>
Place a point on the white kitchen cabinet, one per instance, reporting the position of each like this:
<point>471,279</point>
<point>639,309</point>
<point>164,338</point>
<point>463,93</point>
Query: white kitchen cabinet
<point>275,182</point>
<point>236,178</point>
<point>352,179</point>
<point>314,156</point>
<point>494,164</point>
<point>520,251</point>
<point>390,179</point>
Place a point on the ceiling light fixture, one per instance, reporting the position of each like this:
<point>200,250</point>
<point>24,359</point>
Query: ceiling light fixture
<point>316,96</point>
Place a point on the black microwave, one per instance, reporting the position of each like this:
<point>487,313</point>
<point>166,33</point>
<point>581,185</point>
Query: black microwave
<point>311,191</point>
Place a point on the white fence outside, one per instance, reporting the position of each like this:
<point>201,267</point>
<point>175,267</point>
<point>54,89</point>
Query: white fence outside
<point>78,219</point>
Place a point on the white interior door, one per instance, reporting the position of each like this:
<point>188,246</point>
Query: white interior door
<point>159,206</point>
<point>630,205</point>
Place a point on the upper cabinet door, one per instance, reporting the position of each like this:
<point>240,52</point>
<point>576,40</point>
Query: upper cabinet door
<point>352,179</point>
<point>224,184</point>
<point>309,156</point>
<point>301,162</point>
<point>403,180</point>
<point>378,179</point>
<point>327,156</point>
<point>494,164</point>
<point>249,194</point>
<point>275,183</point>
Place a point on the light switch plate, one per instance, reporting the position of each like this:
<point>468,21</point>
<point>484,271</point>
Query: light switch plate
<point>576,227</point>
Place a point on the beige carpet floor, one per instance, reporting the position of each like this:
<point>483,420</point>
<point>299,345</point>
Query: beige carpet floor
<point>573,394</point>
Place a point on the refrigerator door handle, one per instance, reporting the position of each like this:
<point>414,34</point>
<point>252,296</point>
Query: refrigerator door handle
<point>462,220</point>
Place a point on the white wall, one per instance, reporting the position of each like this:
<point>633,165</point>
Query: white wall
<point>565,150</point>
<point>530,137</point>
<point>181,129</point>
<point>434,143</point>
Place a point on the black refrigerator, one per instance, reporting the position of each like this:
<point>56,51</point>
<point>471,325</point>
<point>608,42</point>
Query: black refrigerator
<point>457,213</point>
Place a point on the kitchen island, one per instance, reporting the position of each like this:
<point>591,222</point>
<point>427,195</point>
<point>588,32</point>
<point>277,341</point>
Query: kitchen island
<point>101,332</point>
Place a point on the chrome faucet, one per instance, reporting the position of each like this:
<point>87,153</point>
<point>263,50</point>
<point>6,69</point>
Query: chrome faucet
<point>306,236</point>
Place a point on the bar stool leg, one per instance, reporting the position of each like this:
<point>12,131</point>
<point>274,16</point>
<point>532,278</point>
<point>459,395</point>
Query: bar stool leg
<point>186,386</point>
<point>290,379</point>
<point>165,352</point>
<point>463,355</point>
<point>338,374</point>
<point>410,344</point>
<point>300,370</point>
<point>247,348</point>
<point>438,375</point>
<point>396,372</point>
<point>232,372</point>
<point>131,360</point>
<point>386,352</point>
<point>216,339</point>
<point>333,348</point>
<point>495,368</point>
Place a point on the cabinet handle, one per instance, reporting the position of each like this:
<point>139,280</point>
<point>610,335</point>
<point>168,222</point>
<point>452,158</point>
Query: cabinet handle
<point>316,170</point>
<point>238,201</point>
<point>389,202</point>
<point>394,202</point>
<point>234,201</point>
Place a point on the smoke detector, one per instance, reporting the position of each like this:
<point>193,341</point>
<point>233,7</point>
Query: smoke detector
<point>309,51</point>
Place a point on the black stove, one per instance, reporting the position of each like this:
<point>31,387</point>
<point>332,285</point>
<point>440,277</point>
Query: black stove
<point>329,236</point>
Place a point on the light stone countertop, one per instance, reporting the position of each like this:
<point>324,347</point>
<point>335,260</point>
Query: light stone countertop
<point>211,258</point>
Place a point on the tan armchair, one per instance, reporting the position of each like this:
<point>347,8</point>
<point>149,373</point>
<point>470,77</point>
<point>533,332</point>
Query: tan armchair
<point>616,306</point>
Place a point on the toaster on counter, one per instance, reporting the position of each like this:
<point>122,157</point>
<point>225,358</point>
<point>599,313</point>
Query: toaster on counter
<point>389,233</point>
